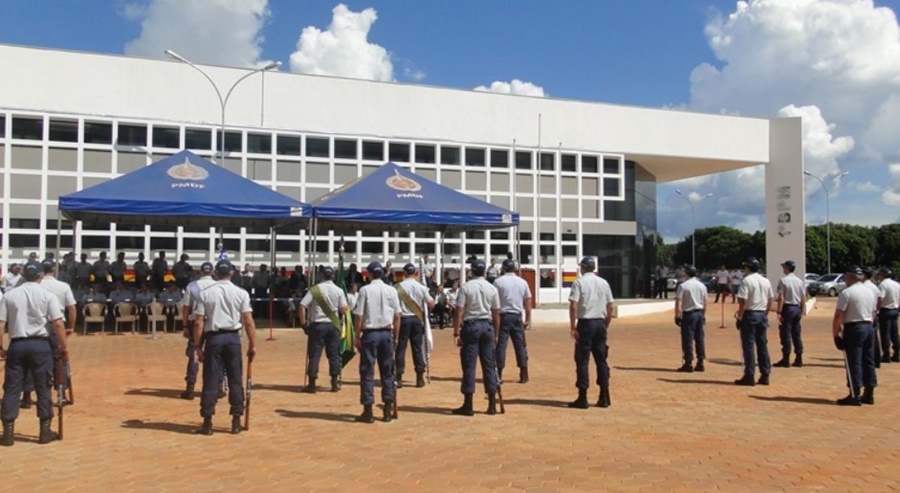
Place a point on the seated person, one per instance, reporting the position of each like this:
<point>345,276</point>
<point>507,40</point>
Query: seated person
<point>171,298</point>
<point>120,294</point>
<point>144,296</point>
<point>94,295</point>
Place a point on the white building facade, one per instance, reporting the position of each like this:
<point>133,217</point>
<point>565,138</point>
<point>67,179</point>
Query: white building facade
<point>582,175</point>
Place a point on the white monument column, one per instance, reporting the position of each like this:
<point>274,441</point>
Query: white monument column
<point>785,217</point>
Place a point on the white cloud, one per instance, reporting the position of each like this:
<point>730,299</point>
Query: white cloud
<point>218,32</point>
<point>514,86</point>
<point>865,187</point>
<point>891,196</point>
<point>344,49</point>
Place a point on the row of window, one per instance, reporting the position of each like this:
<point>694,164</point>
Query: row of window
<point>168,137</point>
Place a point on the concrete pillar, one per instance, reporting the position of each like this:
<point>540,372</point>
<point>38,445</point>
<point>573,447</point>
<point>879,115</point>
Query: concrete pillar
<point>785,213</point>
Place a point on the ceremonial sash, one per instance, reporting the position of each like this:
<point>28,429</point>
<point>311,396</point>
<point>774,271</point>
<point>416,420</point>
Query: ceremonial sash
<point>329,312</point>
<point>412,305</point>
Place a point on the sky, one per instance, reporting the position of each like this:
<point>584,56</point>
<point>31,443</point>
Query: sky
<point>834,63</point>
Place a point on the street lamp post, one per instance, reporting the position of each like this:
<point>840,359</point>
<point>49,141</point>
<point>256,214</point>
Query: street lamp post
<point>827,212</point>
<point>693,228</point>
<point>223,102</point>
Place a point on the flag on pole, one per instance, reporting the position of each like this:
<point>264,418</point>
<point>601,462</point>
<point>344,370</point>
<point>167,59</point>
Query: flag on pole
<point>348,336</point>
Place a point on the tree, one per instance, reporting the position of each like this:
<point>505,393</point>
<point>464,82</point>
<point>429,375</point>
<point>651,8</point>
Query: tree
<point>718,245</point>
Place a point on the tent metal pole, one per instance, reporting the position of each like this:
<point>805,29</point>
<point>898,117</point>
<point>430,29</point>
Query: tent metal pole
<point>441,272</point>
<point>58,235</point>
<point>273,235</point>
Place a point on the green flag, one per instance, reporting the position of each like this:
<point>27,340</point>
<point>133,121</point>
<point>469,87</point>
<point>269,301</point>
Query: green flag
<point>348,336</point>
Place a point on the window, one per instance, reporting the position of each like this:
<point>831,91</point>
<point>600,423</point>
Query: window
<point>548,161</point>
<point>288,145</point>
<point>499,158</point>
<point>610,187</point>
<point>259,143</point>
<point>2,126</point>
<point>345,149</point>
<point>233,142</point>
<point>195,138</point>
<point>589,164</point>
<point>475,157</point>
<point>523,160</point>
<point>28,128</point>
<point>398,152</point>
<point>97,133</point>
<point>611,166</point>
<point>425,154</point>
<point>166,137</point>
<point>317,147</point>
<point>569,163</point>
<point>132,135</point>
<point>373,151</point>
<point>63,130</point>
<point>450,155</point>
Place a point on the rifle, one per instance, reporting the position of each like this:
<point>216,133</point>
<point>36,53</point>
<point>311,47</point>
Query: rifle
<point>394,410</point>
<point>499,391</point>
<point>63,382</point>
<point>249,392</point>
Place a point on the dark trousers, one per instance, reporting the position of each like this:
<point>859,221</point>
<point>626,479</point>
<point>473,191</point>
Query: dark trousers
<point>323,335</point>
<point>789,330</point>
<point>511,327</point>
<point>23,356</point>
<point>591,340</point>
<point>411,332</point>
<point>377,346</point>
<point>477,344</point>
<point>662,287</point>
<point>858,341</point>
<point>876,343</point>
<point>260,305</point>
<point>753,333</point>
<point>721,290</point>
<point>222,352</point>
<point>29,375</point>
<point>692,334</point>
<point>190,373</point>
<point>887,325</point>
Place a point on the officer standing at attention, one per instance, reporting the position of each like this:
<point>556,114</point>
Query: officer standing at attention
<point>791,302</point>
<point>867,282</point>
<point>377,327</point>
<point>515,299</point>
<point>754,297</point>
<point>478,311</point>
<point>853,333</point>
<point>690,315</point>
<point>221,313</point>
<point>414,297</point>
<point>888,303</point>
<point>590,311</point>
<point>26,312</point>
<point>326,304</point>
<point>188,306</point>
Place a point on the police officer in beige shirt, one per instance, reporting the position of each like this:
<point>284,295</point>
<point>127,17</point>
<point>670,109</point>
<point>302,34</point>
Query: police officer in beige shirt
<point>754,298</point>
<point>853,333</point>
<point>324,304</point>
<point>590,315</point>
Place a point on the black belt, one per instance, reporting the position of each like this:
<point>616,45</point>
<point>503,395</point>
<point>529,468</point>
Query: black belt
<point>31,338</point>
<point>409,316</point>
<point>692,311</point>
<point>755,311</point>
<point>592,319</point>
<point>378,330</point>
<point>512,313</point>
<point>223,331</point>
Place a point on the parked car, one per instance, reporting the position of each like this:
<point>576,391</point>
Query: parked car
<point>829,284</point>
<point>810,277</point>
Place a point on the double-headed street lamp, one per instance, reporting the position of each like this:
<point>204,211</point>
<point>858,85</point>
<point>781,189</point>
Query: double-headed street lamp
<point>827,211</point>
<point>223,102</point>
<point>693,228</point>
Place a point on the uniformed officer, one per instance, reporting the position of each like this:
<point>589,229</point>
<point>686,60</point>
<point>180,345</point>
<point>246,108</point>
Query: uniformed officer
<point>12,278</point>
<point>377,327</point>
<point>791,303</point>
<point>478,312</point>
<point>414,298</point>
<point>754,298</point>
<point>26,312</point>
<point>66,298</point>
<point>854,334</point>
<point>188,306</point>
<point>590,314</point>
<point>326,304</point>
<point>867,282</point>
<point>888,304</point>
<point>690,315</point>
<point>515,300</point>
<point>100,270</point>
<point>221,313</point>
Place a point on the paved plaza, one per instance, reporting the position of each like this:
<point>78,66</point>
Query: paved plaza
<point>665,431</point>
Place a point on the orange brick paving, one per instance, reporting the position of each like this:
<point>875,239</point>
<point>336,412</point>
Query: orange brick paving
<point>665,431</point>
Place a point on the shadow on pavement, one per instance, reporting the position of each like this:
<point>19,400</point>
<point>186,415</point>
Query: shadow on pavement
<point>724,361</point>
<point>283,388</point>
<point>536,402</point>
<point>819,365</point>
<point>694,380</point>
<point>316,415</point>
<point>422,409</point>
<point>645,368</point>
<point>800,400</point>
<point>139,424</point>
<point>830,359</point>
<point>165,393</point>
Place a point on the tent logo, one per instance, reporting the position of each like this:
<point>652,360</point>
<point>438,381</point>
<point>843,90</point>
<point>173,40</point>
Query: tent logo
<point>187,171</point>
<point>402,183</point>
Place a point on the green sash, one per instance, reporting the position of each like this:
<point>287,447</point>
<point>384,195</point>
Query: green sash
<point>408,301</point>
<point>329,312</point>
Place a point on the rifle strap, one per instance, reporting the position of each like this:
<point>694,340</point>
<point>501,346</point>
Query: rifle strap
<point>325,307</point>
<point>408,301</point>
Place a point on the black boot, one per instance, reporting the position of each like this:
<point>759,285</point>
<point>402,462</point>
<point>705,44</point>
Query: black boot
<point>236,425</point>
<point>746,380</point>
<point>685,368</point>
<point>9,428</point>
<point>311,388</point>
<point>581,402</point>
<point>895,358</point>
<point>388,415</point>
<point>763,379</point>
<point>188,393</point>
<point>399,381</point>
<point>26,401</point>
<point>699,367</point>
<point>850,400</point>
<point>492,404</point>
<point>47,435</point>
<point>798,361</point>
<point>784,362</point>
<point>420,379</point>
<point>206,429</point>
<point>466,408</point>
<point>335,383</point>
<point>523,374</point>
<point>868,396</point>
<point>366,416</point>
<point>884,359</point>
<point>604,401</point>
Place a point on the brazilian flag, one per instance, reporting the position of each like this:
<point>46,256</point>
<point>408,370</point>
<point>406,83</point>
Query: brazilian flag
<point>348,335</point>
